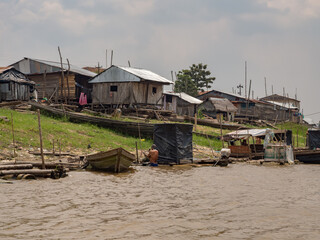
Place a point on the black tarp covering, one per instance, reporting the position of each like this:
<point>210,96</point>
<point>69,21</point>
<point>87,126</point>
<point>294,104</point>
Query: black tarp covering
<point>174,142</point>
<point>289,137</point>
<point>313,138</point>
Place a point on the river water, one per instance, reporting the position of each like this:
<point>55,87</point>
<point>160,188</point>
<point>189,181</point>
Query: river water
<point>240,201</point>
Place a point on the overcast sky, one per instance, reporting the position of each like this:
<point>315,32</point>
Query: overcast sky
<point>279,39</point>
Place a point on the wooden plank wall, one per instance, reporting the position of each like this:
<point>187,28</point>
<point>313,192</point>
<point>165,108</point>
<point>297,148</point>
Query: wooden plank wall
<point>128,92</point>
<point>46,87</point>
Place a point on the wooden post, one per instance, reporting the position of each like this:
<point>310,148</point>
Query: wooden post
<point>195,122</point>
<point>44,93</point>
<point>53,152</point>
<point>137,153</point>
<point>40,135</point>
<point>62,76</point>
<point>68,80</point>
<point>13,141</point>
<point>111,57</point>
<point>59,148</point>
<point>221,132</point>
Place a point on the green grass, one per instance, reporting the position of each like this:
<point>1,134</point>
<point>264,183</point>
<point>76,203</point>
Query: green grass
<point>72,136</point>
<point>298,131</point>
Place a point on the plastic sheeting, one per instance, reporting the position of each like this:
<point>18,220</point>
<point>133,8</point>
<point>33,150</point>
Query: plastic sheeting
<point>174,142</point>
<point>313,139</point>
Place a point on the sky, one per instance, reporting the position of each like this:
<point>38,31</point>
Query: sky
<point>279,39</point>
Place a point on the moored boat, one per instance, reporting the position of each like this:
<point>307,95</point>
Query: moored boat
<point>116,160</point>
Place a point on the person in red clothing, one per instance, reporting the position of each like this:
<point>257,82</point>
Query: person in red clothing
<point>153,156</point>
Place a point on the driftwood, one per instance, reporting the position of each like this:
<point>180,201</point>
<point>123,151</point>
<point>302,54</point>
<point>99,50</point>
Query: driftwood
<point>16,166</point>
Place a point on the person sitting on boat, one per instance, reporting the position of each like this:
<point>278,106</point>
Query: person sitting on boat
<point>153,155</point>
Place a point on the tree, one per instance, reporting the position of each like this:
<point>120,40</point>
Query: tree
<point>200,76</point>
<point>185,84</point>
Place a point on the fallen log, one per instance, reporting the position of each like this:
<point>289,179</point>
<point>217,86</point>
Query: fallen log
<point>5,104</point>
<point>53,165</point>
<point>15,166</point>
<point>35,172</point>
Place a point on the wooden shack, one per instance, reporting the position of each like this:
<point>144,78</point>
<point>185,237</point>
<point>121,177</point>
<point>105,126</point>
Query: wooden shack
<point>14,85</point>
<point>214,106</point>
<point>119,85</point>
<point>180,103</point>
<point>48,78</point>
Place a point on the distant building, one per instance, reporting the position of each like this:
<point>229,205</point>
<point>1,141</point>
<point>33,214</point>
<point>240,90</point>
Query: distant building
<point>180,103</point>
<point>264,108</point>
<point>47,76</point>
<point>14,85</point>
<point>119,85</point>
<point>287,102</point>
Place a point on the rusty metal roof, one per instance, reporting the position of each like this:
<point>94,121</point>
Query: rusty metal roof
<point>26,66</point>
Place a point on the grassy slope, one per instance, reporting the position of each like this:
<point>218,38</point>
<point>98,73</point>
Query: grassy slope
<point>72,136</point>
<point>78,136</point>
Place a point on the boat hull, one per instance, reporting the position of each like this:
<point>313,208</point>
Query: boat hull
<point>116,160</point>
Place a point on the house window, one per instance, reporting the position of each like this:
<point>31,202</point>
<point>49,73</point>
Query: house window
<point>154,90</point>
<point>113,88</point>
<point>169,98</point>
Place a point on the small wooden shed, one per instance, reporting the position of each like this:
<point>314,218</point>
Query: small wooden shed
<point>48,78</point>
<point>180,103</point>
<point>14,85</point>
<point>214,106</point>
<point>119,85</point>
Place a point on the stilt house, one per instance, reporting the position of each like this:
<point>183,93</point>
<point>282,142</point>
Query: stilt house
<point>14,85</point>
<point>119,85</point>
<point>48,78</point>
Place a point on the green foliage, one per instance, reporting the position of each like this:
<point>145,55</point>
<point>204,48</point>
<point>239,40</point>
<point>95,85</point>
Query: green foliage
<point>185,84</point>
<point>200,76</point>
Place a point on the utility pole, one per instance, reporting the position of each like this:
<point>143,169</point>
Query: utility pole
<point>106,58</point>
<point>245,79</point>
<point>265,85</point>
<point>239,86</point>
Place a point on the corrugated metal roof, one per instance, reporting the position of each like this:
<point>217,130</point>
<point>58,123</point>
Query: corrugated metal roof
<point>8,74</point>
<point>3,69</point>
<point>185,97</point>
<point>255,132</point>
<point>285,105</point>
<point>73,68</point>
<point>57,65</point>
<point>128,74</point>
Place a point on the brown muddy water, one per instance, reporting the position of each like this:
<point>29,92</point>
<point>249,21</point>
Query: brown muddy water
<point>237,202</point>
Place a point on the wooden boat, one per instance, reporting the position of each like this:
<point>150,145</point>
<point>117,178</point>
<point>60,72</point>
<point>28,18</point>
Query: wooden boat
<point>308,156</point>
<point>116,160</point>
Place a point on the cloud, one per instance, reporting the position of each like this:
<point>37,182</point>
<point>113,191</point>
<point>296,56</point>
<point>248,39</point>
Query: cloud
<point>299,8</point>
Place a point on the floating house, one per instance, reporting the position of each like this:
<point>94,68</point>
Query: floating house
<point>14,85</point>
<point>119,85</point>
<point>48,78</point>
<point>215,106</point>
<point>180,103</point>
